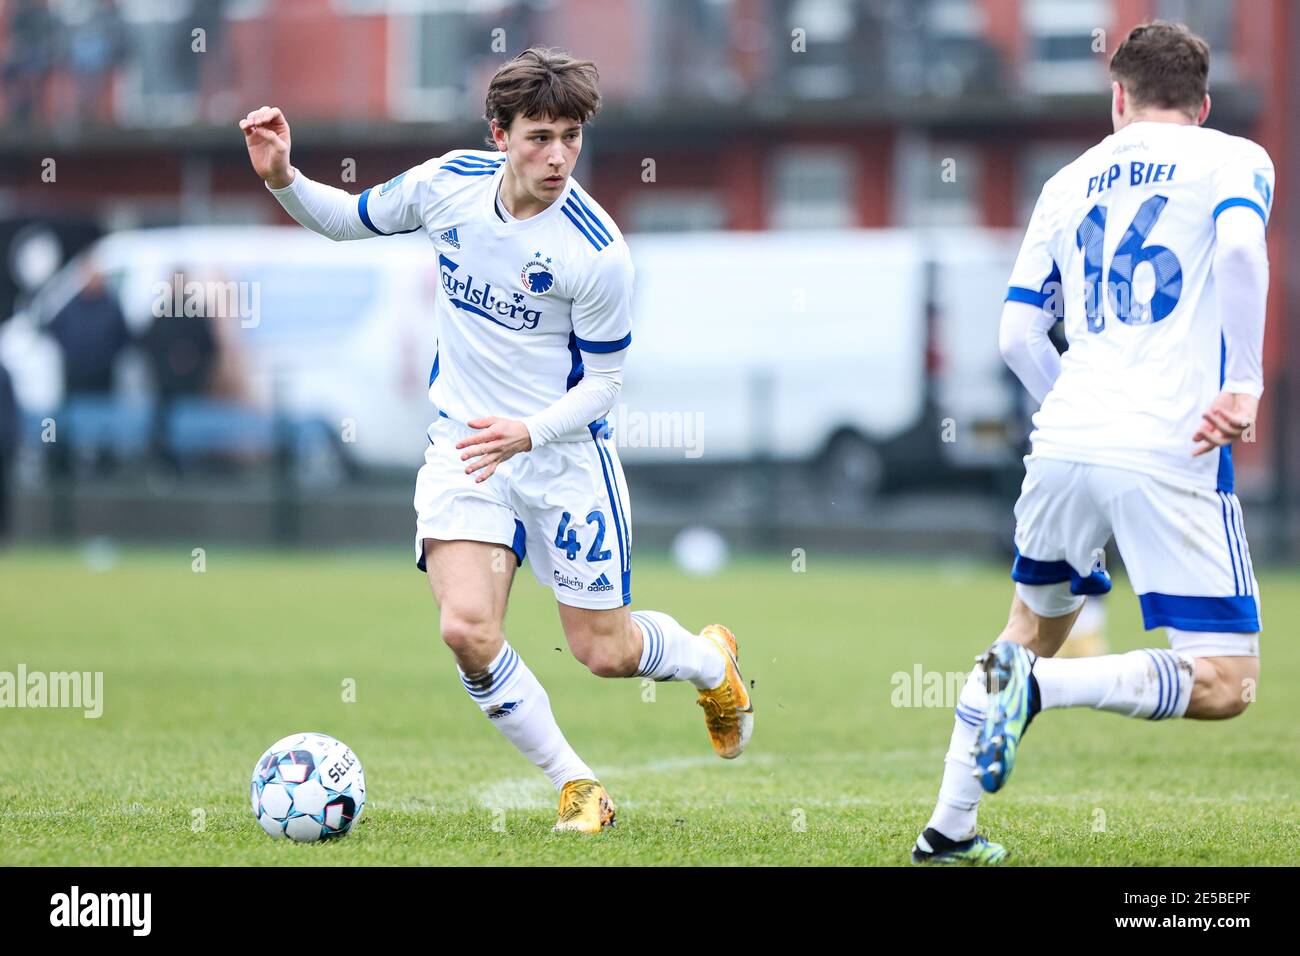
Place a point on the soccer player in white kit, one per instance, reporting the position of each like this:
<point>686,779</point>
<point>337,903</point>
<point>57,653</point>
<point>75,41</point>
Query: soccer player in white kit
<point>534,322</point>
<point>1152,246</point>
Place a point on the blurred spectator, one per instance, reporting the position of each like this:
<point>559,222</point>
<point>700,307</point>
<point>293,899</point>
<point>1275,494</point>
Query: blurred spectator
<point>91,333</point>
<point>9,431</point>
<point>230,380</point>
<point>195,356</point>
<point>27,60</point>
<point>181,351</point>
<point>96,46</point>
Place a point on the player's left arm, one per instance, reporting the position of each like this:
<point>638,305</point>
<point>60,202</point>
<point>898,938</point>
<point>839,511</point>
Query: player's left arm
<point>1033,304</point>
<point>602,327</point>
<point>1244,193</point>
<point>1025,342</point>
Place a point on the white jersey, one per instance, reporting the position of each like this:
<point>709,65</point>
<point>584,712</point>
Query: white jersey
<point>1121,244</point>
<point>520,297</point>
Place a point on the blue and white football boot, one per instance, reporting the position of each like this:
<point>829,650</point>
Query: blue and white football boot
<point>1012,705</point>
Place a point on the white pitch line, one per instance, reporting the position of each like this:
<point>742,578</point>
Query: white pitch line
<point>534,792</point>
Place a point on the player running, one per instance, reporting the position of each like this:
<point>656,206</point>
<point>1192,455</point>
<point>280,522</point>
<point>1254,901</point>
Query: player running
<point>1152,244</point>
<point>534,324</point>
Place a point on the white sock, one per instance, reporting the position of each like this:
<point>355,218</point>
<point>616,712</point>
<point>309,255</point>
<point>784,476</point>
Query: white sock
<point>670,652</point>
<point>959,794</point>
<point>516,703</point>
<point>1154,683</point>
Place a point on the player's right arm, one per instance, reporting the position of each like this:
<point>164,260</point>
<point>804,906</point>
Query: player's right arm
<point>1243,194</point>
<point>332,212</point>
<point>1032,306</point>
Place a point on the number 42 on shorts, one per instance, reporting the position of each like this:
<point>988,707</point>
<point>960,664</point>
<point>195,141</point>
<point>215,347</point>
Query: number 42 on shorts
<point>566,538</point>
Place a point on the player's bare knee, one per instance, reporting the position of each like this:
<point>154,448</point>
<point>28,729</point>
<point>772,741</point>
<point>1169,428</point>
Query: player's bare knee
<point>610,662</point>
<point>470,635</point>
<point>1215,702</point>
<point>1235,694</point>
<point>1224,687</point>
<point>605,655</point>
<point>606,642</point>
<point>1233,706</point>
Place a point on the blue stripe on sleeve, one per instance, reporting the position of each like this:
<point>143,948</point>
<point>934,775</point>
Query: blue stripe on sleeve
<point>362,208</point>
<point>1239,201</point>
<point>587,345</point>
<point>1018,293</point>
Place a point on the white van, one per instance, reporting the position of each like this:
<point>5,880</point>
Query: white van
<point>341,333</point>
<point>773,343</point>
<point>837,349</point>
<point>853,352</point>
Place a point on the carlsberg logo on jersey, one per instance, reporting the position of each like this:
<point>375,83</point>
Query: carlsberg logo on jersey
<point>504,308</point>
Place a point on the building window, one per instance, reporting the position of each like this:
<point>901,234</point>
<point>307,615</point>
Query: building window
<point>165,80</point>
<point>812,188</point>
<point>427,69</point>
<point>678,210</point>
<point>440,49</point>
<point>826,49</point>
<point>1060,34</point>
<point>938,48</point>
<point>937,183</point>
<point>689,47</point>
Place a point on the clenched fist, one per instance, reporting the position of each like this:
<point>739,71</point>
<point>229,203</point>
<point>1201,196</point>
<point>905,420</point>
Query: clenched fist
<point>266,134</point>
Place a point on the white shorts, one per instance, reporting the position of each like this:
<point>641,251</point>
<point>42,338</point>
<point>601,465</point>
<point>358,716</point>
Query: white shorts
<point>1184,548</point>
<point>565,505</point>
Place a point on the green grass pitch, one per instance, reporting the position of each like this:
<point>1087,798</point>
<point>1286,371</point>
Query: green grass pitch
<point>203,670</point>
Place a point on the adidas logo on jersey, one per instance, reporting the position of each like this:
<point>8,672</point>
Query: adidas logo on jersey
<point>451,238</point>
<point>600,584</point>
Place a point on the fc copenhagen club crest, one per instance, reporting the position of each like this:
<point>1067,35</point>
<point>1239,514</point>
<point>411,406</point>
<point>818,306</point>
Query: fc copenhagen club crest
<point>537,277</point>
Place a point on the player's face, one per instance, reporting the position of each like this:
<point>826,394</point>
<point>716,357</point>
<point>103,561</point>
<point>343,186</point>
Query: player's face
<point>542,153</point>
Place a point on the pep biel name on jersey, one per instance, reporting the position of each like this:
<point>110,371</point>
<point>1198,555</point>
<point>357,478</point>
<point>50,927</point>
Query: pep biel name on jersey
<point>1120,245</point>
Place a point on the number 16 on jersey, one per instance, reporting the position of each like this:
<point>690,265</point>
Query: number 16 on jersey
<point>1164,283</point>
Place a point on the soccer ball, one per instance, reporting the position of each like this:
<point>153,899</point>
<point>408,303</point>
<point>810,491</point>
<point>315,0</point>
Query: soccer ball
<point>308,787</point>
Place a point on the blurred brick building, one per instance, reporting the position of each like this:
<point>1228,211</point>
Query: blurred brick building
<point>742,114</point>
